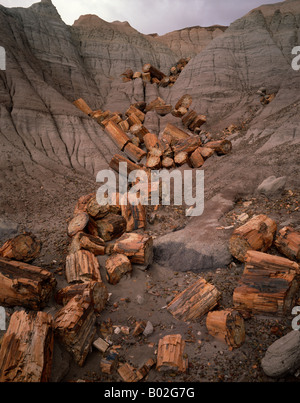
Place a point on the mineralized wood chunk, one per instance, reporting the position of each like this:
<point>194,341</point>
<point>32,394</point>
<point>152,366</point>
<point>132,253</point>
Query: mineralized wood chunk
<point>168,163</point>
<point>112,226</point>
<point>118,136</point>
<point>27,348</point>
<point>257,234</point>
<point>181,158</point>
<point>221,147</point>
<point>81,205</point>
<point>135,215</point>
<point>206,152</point>
<point>288,243</point>
<point>196,158</point>
<point>83,106</point>
<point>175,133</point>
<point>227,326</point>
<point>153,104</point>
<point>93,244</point>
<point>117,266</point>
<point>134,153</point>
<point>138,248</point>
<point>96,210</point>
<point>269,284</point>
<point>93,291</point>
<point>194,302</point>
<point>117,159</point>
<point>25,247</point>
<point>170,354</point>
<point>132,109</point>
<point>24,285</point>
<point>148,68</point>
<point>188,145</point>
<point>189,118</point>
<point>78,223</point>
<point>185,101</point>
<point>74,326</point>
<point>82,266</point>
<point>151,141</point>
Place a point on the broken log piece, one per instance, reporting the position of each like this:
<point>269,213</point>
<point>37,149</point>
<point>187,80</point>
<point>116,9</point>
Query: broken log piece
<point>194,302</point>
<point>83,106</point>
<point>180,112</point>
<point>112,226</point>
<point>165,148</point>
<point>117,135</point>
<point>134,214</point>
<point>197,122</point>
<point>134,153</point>
<point>227,326</point>
<point>128,73</point>
<point>93,244</point>
<point>288,243</point>
<point>153,162</point>
<point>78,223</point>
<point>185,101</point>
<point>168,163</point>
<point>82,266</point>
<point>257,234</point>
<point>221,147</point>
<point>133,119</point>
<point>27,348</point>
<point>139,328</point>
<point>94,292</point>
<point>148,68</point>
<point>136,75</point>
<point>74,326</point>
<point>96,114</point>
<point>188,145</point>
<point>81,205</point>
<point>163,110</point>
<point>114,118</point>
<point>170,354</point>
<point>151,141</point>
<point>181,158</point>
<point>146,77</point>
<point>137,247</point>
<point>24,285</point>
<point>139,131</point>
<point>155,80</point>
<point>109,363</point>
<point>117,266</point>
<point>196,158</point>
<point>103,116</point>
<point>117,159</point>
<point>142,372</point>
<point>206,152</point>
<point>153,104</point>
<point>124,125</point>
<point>174,133</point>
<point>127,373</point>
<point>137,112</point>
<point>164,82</point>
<point>269,285</point>
<point>189,118</point>
<point>25,247</point>
<point>96,210</point>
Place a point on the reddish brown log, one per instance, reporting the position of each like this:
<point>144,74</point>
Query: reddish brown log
<point>180,112</point>
<point>181,158</point>
<point>164,82</point>
<point>117,266</point>
<point>168,163</point>
<point>197,122</point>
<point>288,243</point>
<point>153,161</point>
<point>185,101</point>
<point>221,147</point>
<point>170,354</point>
<point>25,285</point>
<point>124,125</point>
<point>138,248</point>
<point>25,247</point>
<point>95,210</point>
<point>78,223</point>
<point>133,119</point>
<point>137,112</point>
<point>82,266</point>
<point>189,118</point>
<point>93,244</point>
<point>128,73</point>
<point>82,203</point>
<point>163,110</point>
<point>135,215</point>
<point>146,77</point>
<point>151,141</point>
<point>175,133</point>
<point>153,104</point>
<point>112,226</point>
<point>257,234</point>
<point>27,348</point>
<point>136,75</point>
<point>83,106</point>
<point>139,131</point>
<point>117,135</point>
<point>189,145</point>
<point>148,68</point>
<point>117,159</point>
<point>134,153</point>
<point>196,158</point>
<point>206,152</point>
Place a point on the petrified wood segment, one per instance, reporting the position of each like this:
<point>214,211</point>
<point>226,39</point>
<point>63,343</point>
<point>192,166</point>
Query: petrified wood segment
<point>78,223</point>
<point>221,147</point>
<point>138,248</point>
<point>25,247</point>
<point>93,244</point>
<point>82,266</point>
<point>288,243</point>
<point>118,136</point>
<point>170,354</point>
<point>112,226</point>
<point>117,266</point>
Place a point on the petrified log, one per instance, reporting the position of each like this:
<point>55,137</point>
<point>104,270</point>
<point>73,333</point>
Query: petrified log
<point>82,266</point>
<point>288,243</point>
<point>167,163</point>
<point>133,110</point>
<point>221,147</point>
<point>175,133</point>
<point>115,118</point>
<point>269,284</point>
<point>189,118</point>
<point>112,226</point>
<point>25,285</point>
<point>93,244</point>
<point>164,82</point>
<point>227,326</point>
<point>74,326</point>
<point>257,234</point>
<point>170,354</point>
<point>133,119</point>
<point>146,77</point>
<point>181,158</point>
<point>139,131</point>
<point>135,215</point>
<point>27,348</point>
<point>78,223</point>
<point>117,159</point>
<point>83,106</point>
<point>151,141</point>
<point>81,205</point>
<point>196,158</point>
<point>96,114</point>
<point>206,152</point>
<point>165,148</point>
<point>163,110</point>
<point>153,162</point>
<point>95,210</point>
<point>93,291</point>
<point>117,135</point>
<point>109,363</point>
<point>148,68</point>
<point>197,122</point>
<point>124,125</point>
<point>138,248</point>
<point>25,247</point>
<point>153,104</point>
<point>283,356</point>
<point>185,101</point>
<point>195,301</point>
<point>127,373</point>
<point>180,112</point>
<point>136,75</point>
<point>117,266</point>
<point>188,145</point>
<point>134,153</point>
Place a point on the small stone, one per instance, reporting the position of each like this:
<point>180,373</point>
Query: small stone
<point>148,329</point>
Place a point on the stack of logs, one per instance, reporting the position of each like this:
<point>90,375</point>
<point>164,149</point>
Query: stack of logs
<point>175,147</point>
<point>151,74</point>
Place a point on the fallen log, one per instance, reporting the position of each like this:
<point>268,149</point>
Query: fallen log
<point>164,82</point>
<point>134,153</point>
<point>168,163</point>
<point>188,145</point>
<point>151,141</point>
<point>78,223</point>
<point>128,73</point>
<point>196,158</point>
<point>112,226</point>
<point>27,348</point>
<point>288,243</point>
<point>153,162</point>
<point>163,110</point>
<point>96,210</point>
<point>135,215</point>
<point>185,101</point>
<point>148,68</point>
<point>117,159</point>
<point>206,152</point>
<point>74,326</point>
<point>189,118</point>
<point>197,122</point>
<point>25,247</point>
<point>24,285</point>
<point>83,106</point>
<point>227,326</point>
<point>124,125</point>
<point>93,244</point>
<point>146,77</point>
<point>117,135</point>
<point>195,301</point>
<point>137,247</point>
<point>139,131</point>
<point>94,292</point>
<point>269,285</point>
<point>117,266</point>
<point>82,266</point>
<point>81,205</point>
<point>257,234</point>
<point>175,133</point>
<point>170,354</point>
<point>137,112</point>
<point>153,104</point>
<point>221,147</point>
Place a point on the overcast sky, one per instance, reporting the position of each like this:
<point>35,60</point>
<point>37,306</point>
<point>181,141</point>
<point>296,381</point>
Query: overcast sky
<point>150,16</point>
